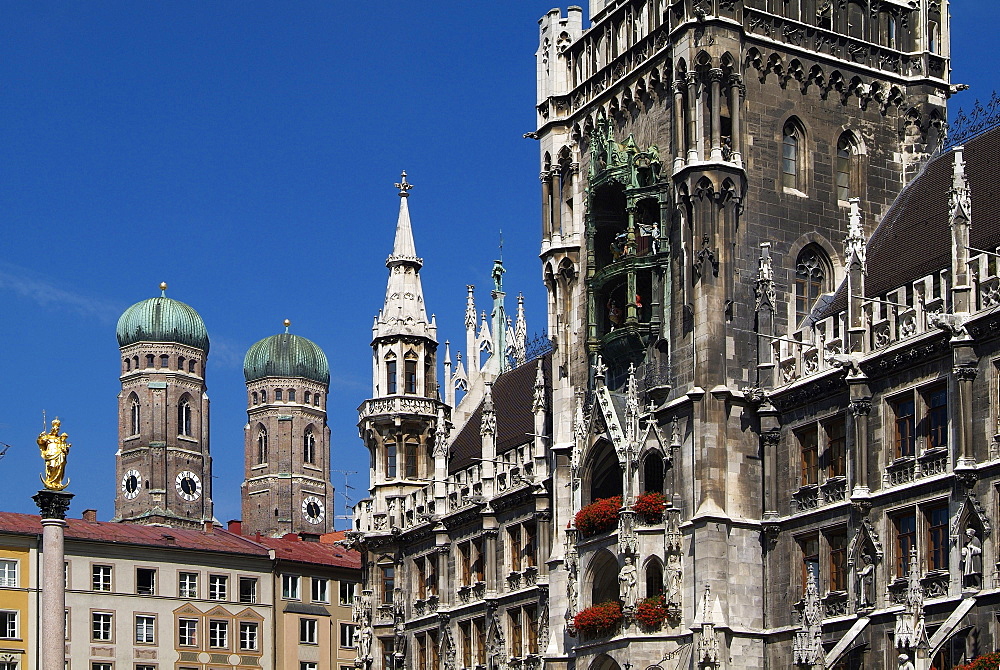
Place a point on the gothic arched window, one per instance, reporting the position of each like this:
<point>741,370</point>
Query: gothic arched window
<point>812,279</point>
<point>390,375</point>
<point>792,158</point>
<point>654,578</point>
<point>184,418</point>
<point>261,445</point>
<point>848,177</point>
<point>135,416</point>
<point>652,473</point>
<point>309,446</point>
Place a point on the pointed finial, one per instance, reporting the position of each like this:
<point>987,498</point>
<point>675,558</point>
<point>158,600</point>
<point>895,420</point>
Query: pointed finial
<point>404,186</point>
<point>501,245</point>
<point>163,289</point>
<point>287,324</point>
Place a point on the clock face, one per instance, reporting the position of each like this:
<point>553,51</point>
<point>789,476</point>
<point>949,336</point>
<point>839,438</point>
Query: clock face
<point>188,485</point>
<point>130,484</point>
<point>312,509</point>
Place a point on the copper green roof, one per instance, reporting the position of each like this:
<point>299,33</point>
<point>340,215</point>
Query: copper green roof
<point>286,355</point>
<point>162,319</point>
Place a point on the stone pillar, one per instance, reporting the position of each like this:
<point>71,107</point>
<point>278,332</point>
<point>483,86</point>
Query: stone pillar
<point>692,118</point>
<point>490,532</point>
<point>861,407</point>
<point>680,149</point>
<point>555,191</point>
<point>735,103</point>
<point>52,506</point>
<point>964,373</point>
<point>715,77</point>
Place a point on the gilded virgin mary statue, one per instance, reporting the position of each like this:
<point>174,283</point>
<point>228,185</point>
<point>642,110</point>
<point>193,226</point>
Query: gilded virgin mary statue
<point>54,449</point>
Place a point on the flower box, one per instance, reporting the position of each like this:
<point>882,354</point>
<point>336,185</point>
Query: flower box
<point>651,613</point>
<point>650,507</point>
<point>599,516</point>
<point>601,619</point>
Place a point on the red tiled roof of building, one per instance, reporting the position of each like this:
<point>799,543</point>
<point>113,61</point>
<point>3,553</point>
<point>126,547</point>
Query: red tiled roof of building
<point>216,540</point>
<point>290,548</point>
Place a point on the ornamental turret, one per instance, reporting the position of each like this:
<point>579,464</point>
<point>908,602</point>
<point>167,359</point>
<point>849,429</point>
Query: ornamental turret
<point>287,486</point>
<point>164,469</point>
<point>398,424</point>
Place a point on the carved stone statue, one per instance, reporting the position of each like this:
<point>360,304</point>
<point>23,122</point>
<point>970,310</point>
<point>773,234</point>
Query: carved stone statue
<point>674,583</point>
<point>972,560</point>
<point>905,663</point>
<point>866,582</point>
<point>626,584</point>
<point>54,449</point>
<point>365,645</point>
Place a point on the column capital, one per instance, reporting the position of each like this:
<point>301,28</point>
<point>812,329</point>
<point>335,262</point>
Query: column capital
<point>715,74</point>
<point>861,406</point>
<point>52,504</point>
<point>965,373</point>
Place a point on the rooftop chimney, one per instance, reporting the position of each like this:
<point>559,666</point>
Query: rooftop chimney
<point>90,515</point>
<point>209,526</point>
<point>235,526</point>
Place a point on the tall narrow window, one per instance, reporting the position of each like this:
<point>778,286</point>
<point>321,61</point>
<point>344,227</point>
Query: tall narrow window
<point>184,418</point>
<point>390,459</point>
<point>790,157</point>
<point>906,537</point>
<point>410,459</point>
<point>811,281</point>
<point>390,377</point>
<point>388,573</point>
<point>937,538</point>
<point>937,418</point>
<point>291,395</point>
<point>845,151</point>
<point>309,446</point>
<point>836,448</point>
<point>164,361</point>
<point>837,542</point>
<point>810,558</point>
<point>652,473</point>
<point>809,447</point>
<point>515,632</point>
<point>277,394</point>
<point>261,445</point>
<point>134,412</point>
<point>890,31</point>
<point>933,36</point>
<point>856,20</point>
<point>410,376</point>
<point>905,439</point>
<point>654,579</point>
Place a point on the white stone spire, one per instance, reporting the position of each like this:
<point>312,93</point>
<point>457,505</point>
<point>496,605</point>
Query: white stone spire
<point>404,312</point>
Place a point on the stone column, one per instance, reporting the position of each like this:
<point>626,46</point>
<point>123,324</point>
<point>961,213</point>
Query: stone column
<point>52,506</point>
<point>861,407</point>
<point>692,120</point>
<point>680,149</point>
<point>965,374</point>
<point>556,199</point>
<point>715,77</point>
<point>735,102</point>
<point>492,560</point>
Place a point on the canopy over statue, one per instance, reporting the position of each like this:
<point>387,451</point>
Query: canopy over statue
<point>54,449</point>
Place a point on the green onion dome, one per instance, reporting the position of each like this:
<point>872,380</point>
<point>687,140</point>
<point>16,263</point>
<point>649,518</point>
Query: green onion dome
<point>286,355</point>
<point>162,319</point>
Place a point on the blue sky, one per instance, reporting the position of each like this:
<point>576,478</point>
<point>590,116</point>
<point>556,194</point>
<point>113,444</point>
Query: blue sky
<point>245,153</point>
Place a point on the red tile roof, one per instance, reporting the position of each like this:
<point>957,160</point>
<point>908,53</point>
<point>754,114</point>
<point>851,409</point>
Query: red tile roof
<point>135,534</point>
<point>290,548</point>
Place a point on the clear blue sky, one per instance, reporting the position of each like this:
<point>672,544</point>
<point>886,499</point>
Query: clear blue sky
<point>245,152</point>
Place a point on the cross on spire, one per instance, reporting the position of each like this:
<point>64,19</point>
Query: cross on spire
<point>404,186</point>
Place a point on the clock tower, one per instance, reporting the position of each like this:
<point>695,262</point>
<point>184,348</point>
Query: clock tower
<point>163,463</point>
<point>287,486</point>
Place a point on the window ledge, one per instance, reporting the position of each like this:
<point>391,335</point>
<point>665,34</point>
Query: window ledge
<point>794,191</point>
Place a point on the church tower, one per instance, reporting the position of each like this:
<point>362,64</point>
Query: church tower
<point>287,485</point>
<point>398,424</point>
<point>163,464</point>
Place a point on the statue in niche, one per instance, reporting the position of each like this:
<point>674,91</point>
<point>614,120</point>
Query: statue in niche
<point>674,578</point>
<point>904,662</point>
<point>866,582</point>
<point>614,313</point>
<point>626,584</point>
<point>972,560</point>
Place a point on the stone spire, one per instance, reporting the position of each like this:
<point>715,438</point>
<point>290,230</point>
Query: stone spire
<point>498,362</point>
<point>403,312</point>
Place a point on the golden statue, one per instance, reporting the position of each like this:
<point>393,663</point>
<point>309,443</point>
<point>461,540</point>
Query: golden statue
<point>54,448</point>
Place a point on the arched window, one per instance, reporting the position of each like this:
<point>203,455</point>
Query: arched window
<point>128,364</point>
<point>135,362</point>
<point>263,395</point>
<point>856,20</point>
<point>812,279</point>
<point>933,36</point>
<point>309,446</point>
<point>652,473</point>
<point>277,395</point>
<point>149,360</point>
<point>254,398</point>
<point>410,373</point>
<point>890,30</point>
<point>135,416</point>
<point>845,151</point>
<point>291,395</point>
<point>261,445</point>
<point>192,366</point>
<point>654,578</point>
<point>180,363</point>
<point>164,361</point>
<point>184,418</point>
<point>791,156</point>
<point>307,397</point>
<point>316,399</point>
<point>603,477</point>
